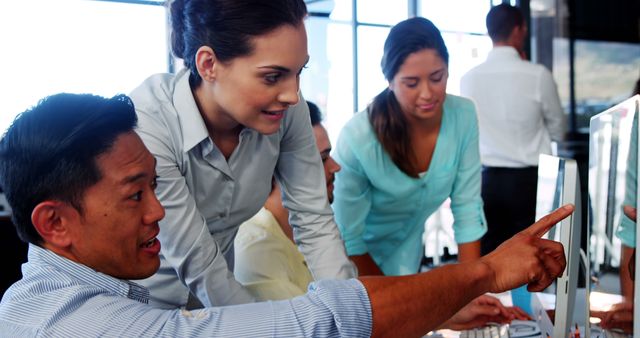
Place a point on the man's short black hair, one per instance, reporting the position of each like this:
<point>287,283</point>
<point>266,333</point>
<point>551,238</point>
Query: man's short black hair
<point>50,151</point>
<point>501,20</point>
<point>314,113</point>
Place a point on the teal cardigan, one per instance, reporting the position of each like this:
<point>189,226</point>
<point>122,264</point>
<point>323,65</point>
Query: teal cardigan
<point>382,211</point>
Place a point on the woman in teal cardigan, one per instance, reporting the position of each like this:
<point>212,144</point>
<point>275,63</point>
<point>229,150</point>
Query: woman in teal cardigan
<point>410,150</point>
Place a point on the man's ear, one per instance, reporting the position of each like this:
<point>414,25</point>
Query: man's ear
<point>206,63</point>
<point>51,219</point>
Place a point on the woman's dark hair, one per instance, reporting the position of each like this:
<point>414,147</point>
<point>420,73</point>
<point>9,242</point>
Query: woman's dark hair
<point>385,113</point>
<point>50,151</point>
<point>501,20</point>
<point>226,26</point>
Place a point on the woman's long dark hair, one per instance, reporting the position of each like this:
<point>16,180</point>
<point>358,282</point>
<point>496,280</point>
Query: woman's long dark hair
<point>385,113</point>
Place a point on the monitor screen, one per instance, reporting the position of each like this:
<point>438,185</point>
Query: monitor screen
<point>558,185</point>
<point>609,149</point>
<point>99,47</point>
<point>613,156</point>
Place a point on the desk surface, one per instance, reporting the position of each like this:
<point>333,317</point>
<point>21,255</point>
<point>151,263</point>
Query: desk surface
<point>598,302</point>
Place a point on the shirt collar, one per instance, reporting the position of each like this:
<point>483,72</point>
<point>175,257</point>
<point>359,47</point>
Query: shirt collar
<point>503,52</point>
<point>123,288</point>
<point>192,125</point>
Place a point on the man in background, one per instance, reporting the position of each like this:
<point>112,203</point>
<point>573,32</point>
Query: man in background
<point>267,261</point>
<point>519,114</point>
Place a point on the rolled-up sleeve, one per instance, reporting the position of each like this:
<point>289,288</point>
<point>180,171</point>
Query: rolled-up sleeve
<point>466,202</point>
<point>352,196</point>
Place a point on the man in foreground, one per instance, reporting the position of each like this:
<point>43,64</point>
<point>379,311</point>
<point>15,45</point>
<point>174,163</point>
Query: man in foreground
<point>81,185</point>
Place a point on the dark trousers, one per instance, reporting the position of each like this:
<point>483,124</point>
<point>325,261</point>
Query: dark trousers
<point>509,196</point>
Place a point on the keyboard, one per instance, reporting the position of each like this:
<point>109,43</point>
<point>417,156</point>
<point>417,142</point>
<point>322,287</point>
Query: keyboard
<point>615,334</point>
<point>489,331</point>
<point>598,332</point>
<point>517,329</point>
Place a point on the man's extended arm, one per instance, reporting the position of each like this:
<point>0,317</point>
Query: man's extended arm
<point>468,251</point>
<point>410,306</point>
<point>366,265</point>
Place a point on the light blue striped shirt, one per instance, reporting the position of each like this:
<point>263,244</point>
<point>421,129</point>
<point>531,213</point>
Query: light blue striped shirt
<point>61,298</point>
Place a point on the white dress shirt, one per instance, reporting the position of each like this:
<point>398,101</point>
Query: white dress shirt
<point>519,110</point>
<point>207,197</point>
<point>266,260</point>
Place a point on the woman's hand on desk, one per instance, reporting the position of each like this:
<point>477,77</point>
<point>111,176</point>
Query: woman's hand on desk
<point>620,316</point>
<point>527,258</point>
<point>518,313</point>
<point>479,312</point>
<point>482,310</point>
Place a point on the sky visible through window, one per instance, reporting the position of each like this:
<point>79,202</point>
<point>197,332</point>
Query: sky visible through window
<point>76,46</point>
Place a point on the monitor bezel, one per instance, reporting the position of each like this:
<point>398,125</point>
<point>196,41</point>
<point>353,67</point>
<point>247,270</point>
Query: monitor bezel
<point>636,282</point>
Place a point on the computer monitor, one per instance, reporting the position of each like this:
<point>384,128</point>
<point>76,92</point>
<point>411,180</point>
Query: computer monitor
<point>558,184</point>
<point>633,173</point>
<point>613,181</point>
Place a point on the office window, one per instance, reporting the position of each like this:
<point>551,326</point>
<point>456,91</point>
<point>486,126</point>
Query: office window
<point>328,79</point>
<point>456,15</point>
<point>331,79</point>
<point>76,46</point>
<point>382,12</point>
<point>465,52</point>
<point>371,81</point>
<point>314,79</point>
<point>605,73</point>
<point>463,31</point>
